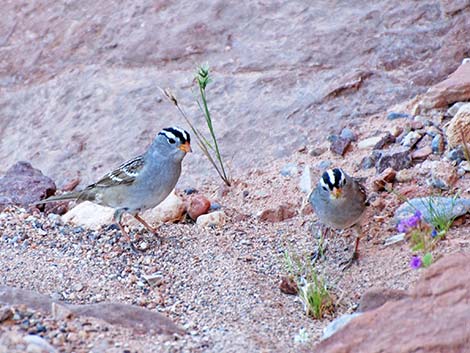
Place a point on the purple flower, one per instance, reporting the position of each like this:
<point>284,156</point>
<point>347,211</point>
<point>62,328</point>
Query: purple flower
<point>402,226</point>
<point>415,262</point>
<point>406,224</point>
<point>414,220</point>
<point>434,233</point>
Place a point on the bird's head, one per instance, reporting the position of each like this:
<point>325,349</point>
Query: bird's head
<point>333,181</point>
<point>174,141</point>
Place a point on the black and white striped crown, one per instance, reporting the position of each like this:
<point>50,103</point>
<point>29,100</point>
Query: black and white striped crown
<point>333,178</point>
<point>176,133</point>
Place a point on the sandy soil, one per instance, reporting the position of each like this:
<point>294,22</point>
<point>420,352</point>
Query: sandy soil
<point>221,285</point>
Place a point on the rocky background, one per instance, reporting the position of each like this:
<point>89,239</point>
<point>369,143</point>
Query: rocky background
<point>378,88</point>
<point>79,79</point>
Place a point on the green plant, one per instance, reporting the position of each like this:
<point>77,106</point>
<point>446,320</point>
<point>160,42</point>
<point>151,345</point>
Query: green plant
<point>209,147</point>
<point>313,292</point>
<point>440,217</point>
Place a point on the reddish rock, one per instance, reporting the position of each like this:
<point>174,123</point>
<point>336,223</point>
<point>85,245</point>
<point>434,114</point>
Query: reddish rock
<point>198,205</point>
<point>288,285</point>
<point>133,317</point>
<point>456,88</point>
<point>277,214</point>
<point>385,178</point>
<point>433,318</point>
<point>397,158</point>
<point>22,185</point>
<point>376,297</point>
<point>422,152</point>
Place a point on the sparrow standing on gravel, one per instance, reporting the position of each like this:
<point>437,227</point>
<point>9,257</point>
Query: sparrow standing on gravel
<point>142,182</point>
<point>339,202</point>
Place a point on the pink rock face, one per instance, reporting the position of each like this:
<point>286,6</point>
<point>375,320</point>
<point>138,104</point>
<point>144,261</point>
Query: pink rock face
<point>432,319</point>
<point>80,81</point>
<point>456,88</point>
<point>198,205</point>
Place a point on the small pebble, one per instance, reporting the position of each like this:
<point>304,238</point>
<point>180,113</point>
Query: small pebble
<point>396,115</point>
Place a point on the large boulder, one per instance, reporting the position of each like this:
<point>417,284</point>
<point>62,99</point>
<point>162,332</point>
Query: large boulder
<point>23,185</point>
<point>433,318</point>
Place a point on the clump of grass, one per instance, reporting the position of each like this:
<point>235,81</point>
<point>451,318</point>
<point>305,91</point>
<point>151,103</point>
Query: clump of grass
<point>313,292</point>
<point>209,147</point>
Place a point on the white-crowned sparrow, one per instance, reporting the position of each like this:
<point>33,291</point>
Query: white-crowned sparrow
<point>339,202</point>
<point>142,182</point>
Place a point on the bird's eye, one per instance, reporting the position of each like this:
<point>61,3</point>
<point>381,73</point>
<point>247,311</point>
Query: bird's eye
<point>172,141</point>
<point>325,188</point>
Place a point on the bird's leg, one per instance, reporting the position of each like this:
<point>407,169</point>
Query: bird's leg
<point>148,226</point>
<point>145,224</point>
<point>118,218</point>
<point>355,254</point>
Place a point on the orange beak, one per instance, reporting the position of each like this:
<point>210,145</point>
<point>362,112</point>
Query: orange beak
<point>336,193</point>
<point>186,147</point>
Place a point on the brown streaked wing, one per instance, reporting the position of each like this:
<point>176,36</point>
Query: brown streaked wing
<point>124,174</point>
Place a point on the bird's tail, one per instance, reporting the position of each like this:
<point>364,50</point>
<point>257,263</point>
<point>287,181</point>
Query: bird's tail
<point>64,197</point>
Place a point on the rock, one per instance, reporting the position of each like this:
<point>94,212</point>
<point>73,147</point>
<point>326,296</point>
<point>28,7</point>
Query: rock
<point>215,206</point>
<point>405,175</point>
<point>459,126</point>
<point>455,108</point>
<point>446,207</point>
<point>198,205</point>
<point>387,139</point>
<point>89,215</point>
<point>37,344</point>
<point>417,124</point>
<point>456,88</point>
<point>370,142</point>
<point>376,297</point>
<point>397,158</point>
<point>394,116</point>
<point>305,183</point>
<point>438,144</point>
<point>213,219</point>
<point>380,182</point>
<point>396,131</point>
<point>171,209</point>
<point>289,169</point>
<point>338,144</point>
<point>22,185</point>
<point>456,155</point>
<point>348,134</point>
<point>288,285</point>
<point>397,238</point>
<point>465,165</point>
<point>139,320</point>
<point>155,279</point>
<point>443,175</point>
<point>421,153</point>
<point>6,313</point>
<point>432,318</point>
<point>316,151</point>
<point>411,139</point>
<point>190,191</point>
<point>337,324</point>
<point>323,165</point>
<point>277,214</point>
<point>368,162</point>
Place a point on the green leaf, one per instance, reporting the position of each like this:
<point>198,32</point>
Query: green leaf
<point>427,259</point>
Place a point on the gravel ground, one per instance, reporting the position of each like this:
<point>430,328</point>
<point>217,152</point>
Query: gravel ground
<point>221,285</point>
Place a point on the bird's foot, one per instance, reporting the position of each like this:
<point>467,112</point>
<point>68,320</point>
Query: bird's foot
<point>346,264</point>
